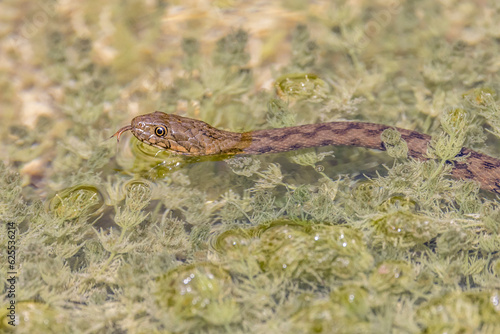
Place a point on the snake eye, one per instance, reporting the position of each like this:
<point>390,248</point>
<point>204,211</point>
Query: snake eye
<point>160,131</point>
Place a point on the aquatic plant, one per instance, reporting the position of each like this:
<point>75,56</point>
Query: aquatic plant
<point>127,238</point>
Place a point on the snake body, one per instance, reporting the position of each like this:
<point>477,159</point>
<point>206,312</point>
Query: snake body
<point>192,137</point>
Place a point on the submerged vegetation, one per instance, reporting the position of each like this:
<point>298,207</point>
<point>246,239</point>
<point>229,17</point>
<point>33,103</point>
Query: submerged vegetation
<point>125,238</point>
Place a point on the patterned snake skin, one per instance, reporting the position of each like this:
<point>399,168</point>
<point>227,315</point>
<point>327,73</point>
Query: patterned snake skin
<point>196,138</point>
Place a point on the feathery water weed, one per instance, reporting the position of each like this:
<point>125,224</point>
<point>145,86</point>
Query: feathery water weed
<point>265,241</point>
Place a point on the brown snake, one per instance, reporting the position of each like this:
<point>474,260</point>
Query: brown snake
<point>192,137</point>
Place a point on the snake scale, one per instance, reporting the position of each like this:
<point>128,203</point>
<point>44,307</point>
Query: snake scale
<point>192,137</point>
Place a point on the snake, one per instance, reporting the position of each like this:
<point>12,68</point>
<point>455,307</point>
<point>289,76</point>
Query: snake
<point>192,137</point>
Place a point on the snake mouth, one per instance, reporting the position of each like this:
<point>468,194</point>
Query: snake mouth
<point>119,132</point>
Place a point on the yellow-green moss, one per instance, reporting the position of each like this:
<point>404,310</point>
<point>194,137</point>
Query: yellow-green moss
<point>126,238</point>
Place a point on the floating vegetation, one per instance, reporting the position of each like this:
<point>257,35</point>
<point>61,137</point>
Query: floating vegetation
<point>77,201</point>
<point>126,238</point>
<point>195,293</point>
<point>404,229</point>
<point>392,276</point>
<point>296,250</point>
<point>461,312</point>
<point>34,316</point>
<point>323,253</point>
<point>232,240</point>
<point>318,315</point>
<point>301,86</point>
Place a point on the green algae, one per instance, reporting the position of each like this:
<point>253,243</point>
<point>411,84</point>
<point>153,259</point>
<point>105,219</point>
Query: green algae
<point>477,311</point>
<point>77,201</point>
<point>308,241</point>
<point>200,293</point>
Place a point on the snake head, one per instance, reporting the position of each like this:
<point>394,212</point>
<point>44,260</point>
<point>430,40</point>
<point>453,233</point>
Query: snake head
<point>174,133</point>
